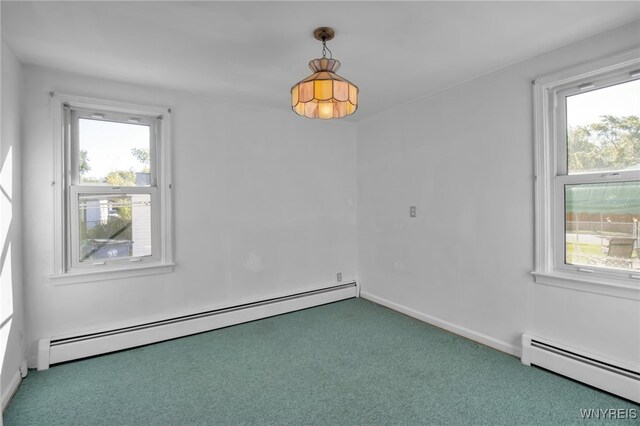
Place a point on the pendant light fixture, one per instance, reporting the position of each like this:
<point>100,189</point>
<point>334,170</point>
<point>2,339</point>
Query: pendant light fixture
<point>324,94</point>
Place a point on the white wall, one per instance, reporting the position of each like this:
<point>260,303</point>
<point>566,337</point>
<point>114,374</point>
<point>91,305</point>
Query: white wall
<point>12,351</point>
<point>264,206</point>
<point>464,157</point>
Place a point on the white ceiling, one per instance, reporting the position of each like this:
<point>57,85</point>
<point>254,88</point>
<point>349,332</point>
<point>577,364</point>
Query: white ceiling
<point>255,51</point>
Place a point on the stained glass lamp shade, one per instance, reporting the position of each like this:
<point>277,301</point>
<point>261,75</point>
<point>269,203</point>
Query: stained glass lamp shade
<point>324,94</point>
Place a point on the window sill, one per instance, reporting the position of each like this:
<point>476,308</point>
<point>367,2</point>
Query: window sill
<point>79,277</point>
<point>591,284</point>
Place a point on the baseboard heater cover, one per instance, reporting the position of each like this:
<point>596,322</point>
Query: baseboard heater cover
<point>580,366</point>
<point>55,350</point>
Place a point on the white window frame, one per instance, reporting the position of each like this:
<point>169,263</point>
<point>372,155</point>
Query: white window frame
<point>66,188</point>
<point>551,178</point>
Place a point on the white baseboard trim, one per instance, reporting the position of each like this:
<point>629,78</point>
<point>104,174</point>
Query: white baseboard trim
<point>446,325</point>
<point>11,389</point>
<point>55,350</point>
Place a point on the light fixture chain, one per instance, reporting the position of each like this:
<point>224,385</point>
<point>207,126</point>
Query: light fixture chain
<point>325,48</point>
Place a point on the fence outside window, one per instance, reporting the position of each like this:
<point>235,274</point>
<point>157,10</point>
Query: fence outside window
<point>590,243</point>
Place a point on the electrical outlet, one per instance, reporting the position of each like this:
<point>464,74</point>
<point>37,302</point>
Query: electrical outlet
<point>339,276</point>
<point>412,211</point>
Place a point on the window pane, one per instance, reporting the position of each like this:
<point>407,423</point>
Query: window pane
<point>603,129</point>
<point>602,225</point>
<point>114,226</point>
<point>113,153</point>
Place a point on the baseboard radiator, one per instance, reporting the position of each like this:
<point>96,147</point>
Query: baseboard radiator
<point>60,349</point>
<point>586,368</point>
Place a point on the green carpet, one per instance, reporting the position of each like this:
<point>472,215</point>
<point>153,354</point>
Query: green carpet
<point>350,362</point>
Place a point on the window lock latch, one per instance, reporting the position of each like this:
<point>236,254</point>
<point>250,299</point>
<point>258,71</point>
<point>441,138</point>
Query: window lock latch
<point>611,175</point>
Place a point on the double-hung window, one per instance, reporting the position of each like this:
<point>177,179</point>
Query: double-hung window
<point>112,189</point>
<point>588,177</point>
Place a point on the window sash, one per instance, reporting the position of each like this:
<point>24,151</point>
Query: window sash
<point>559,236</point>
<point>559,119</point>
<point>72,117</point>
<point>74,189</point>
<point>73,225</point>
